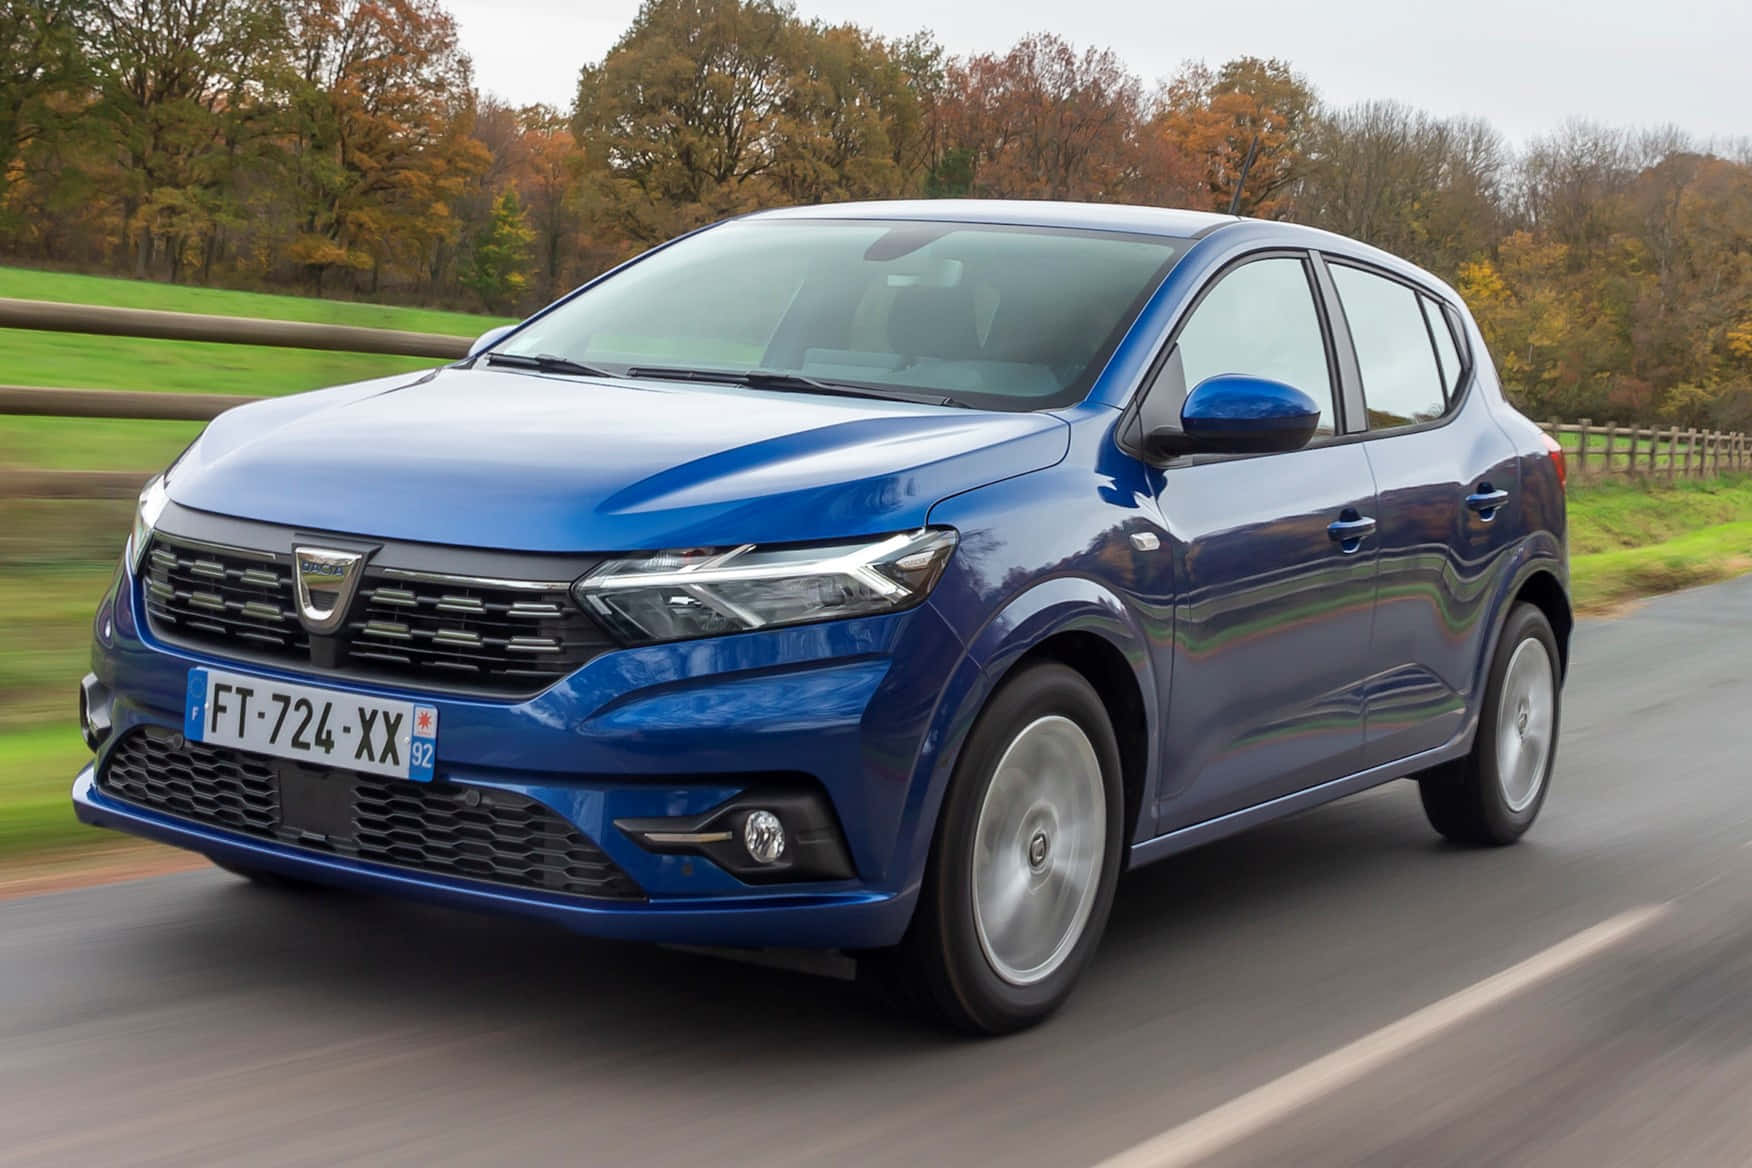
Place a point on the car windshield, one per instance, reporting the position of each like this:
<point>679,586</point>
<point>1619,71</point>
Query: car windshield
<point>997,317</point>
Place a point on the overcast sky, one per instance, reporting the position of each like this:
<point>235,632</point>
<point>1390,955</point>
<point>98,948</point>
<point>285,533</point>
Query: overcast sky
<point>1527,65</point>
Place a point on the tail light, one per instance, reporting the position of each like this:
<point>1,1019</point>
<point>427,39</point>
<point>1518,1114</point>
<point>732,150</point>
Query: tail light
<point>1555,450</point>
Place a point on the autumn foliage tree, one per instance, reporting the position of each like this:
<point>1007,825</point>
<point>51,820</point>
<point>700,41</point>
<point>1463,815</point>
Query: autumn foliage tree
<point>340,146</point>
<point>1048,121</point>
<point>1248,124</point>
<point>381,104</point>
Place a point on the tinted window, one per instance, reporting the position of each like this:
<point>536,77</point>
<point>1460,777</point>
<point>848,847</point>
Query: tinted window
<point>1402,384</point>
<point>1259,320</point>
<point>1447,354</point>
<point>1002,317</point>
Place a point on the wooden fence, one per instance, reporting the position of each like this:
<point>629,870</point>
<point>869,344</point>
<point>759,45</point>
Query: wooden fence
<point>1661,452</point>
<point>1590,450</point>
<point>28,483</point>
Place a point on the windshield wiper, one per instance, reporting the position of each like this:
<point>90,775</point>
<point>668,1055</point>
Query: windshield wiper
<point>545,363</point>
<point>790,383</point>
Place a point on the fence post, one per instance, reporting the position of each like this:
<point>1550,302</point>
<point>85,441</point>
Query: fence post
<point>1690,450</point>
<point>1582,448</point>
<point>1611,431</point>
<point>1654,445</point>
<point>1672,452</point>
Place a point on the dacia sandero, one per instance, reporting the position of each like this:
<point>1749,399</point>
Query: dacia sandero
<point>876,578</point>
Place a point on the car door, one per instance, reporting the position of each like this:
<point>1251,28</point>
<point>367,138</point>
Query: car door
<point>1273,601</point>
<point>1446,475</point>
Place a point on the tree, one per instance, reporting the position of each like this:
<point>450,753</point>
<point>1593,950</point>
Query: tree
<point>179,86</point>
<point>1047,121</point>
<point>496,269</point>
<point>1416,185</point>
<point>40,62</point>
<point>1249,122</point>
<point>680,122</point>
<point>851,120</point>
<point>382,111</point>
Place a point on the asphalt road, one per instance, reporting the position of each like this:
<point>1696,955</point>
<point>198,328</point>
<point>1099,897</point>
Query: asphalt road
<point>192,1019</point>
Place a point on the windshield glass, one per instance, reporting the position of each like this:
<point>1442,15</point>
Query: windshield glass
<point>997,317</point>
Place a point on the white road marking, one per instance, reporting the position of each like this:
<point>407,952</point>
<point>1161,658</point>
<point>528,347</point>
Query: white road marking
<point>1234,1121</point>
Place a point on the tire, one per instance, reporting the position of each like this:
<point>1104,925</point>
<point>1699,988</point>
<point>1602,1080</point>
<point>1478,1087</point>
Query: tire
<point>262,878</point>
<point>1001,933</point>
<point>1493,795</point>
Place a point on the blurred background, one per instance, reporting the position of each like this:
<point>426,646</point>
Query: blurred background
<point>341,163</point>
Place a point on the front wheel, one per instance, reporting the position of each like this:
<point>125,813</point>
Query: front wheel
<point>1493,794</point>
<point>1027,853</point>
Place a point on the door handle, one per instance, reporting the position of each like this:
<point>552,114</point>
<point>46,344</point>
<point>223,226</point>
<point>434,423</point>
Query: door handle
<point>1349,530</point>
<point>1486,499</point>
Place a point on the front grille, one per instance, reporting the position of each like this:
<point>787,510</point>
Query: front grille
<point>474,832</point>
<point>501,637</point>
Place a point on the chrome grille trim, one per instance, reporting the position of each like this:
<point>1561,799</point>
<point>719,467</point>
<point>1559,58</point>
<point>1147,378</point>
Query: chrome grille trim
<point>477,581</point>
<point>487,633</point>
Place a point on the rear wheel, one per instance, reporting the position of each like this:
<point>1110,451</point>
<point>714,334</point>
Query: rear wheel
<point>1022,872</point>
<point>1493,794</point>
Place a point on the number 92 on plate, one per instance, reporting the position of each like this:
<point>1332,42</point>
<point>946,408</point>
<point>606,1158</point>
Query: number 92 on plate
<point>322,727</point>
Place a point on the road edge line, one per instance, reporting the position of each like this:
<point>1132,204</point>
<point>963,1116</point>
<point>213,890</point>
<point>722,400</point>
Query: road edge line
<point>1246,1115</point>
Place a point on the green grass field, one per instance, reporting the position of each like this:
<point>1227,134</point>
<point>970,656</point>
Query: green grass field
<point>66,359</point>
<point>1627,539</point>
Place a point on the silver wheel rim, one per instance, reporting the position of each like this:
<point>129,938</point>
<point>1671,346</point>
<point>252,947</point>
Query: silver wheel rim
<point>1525,714</point>
<point>1038,848</point>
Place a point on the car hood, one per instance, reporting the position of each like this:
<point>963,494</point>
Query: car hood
<point>488,458</point>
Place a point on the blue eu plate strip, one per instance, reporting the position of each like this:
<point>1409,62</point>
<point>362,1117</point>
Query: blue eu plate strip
<point>195,715</point>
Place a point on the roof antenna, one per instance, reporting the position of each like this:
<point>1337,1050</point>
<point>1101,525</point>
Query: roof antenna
<point>1241,181</point>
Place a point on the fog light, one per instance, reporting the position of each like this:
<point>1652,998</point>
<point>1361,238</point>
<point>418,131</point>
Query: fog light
<point>94,711</point>
<point>764,836</point>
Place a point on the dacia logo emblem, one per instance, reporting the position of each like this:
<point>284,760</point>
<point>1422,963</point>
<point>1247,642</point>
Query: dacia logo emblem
<point>325,581</point>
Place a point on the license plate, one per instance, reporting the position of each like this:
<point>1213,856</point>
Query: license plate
<point>322,727</point>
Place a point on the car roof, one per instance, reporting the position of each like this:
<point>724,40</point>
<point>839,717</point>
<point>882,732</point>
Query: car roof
<point>1021,213</point>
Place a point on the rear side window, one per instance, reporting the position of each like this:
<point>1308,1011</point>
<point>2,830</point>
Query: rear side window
<point>1402,379</point>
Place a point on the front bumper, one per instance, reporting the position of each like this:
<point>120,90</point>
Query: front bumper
<point>852,918</point>
<point>852,707</point>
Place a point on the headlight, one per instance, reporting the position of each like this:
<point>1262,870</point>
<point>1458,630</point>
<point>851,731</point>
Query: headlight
<point>675,595</point>
<point>146,513</point>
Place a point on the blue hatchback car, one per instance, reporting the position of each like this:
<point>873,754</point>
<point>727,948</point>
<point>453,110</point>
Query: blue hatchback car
<point>885,578</point>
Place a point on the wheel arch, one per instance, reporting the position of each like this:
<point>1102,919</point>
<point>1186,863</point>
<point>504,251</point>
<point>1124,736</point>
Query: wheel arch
<point>1541,588</point>
<point>1106,669</point>
<point>1077,622</point>
<point>1537,579</point>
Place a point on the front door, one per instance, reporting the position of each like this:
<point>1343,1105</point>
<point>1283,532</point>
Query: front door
<point>1274,568</point>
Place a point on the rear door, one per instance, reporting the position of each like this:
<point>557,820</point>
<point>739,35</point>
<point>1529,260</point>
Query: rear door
<point>1273,604</point>
<point>1447,479</point>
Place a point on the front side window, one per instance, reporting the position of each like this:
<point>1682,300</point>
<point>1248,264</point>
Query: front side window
<point>1259,320</point>
<point>999,317</point>
<point>1402,379</point>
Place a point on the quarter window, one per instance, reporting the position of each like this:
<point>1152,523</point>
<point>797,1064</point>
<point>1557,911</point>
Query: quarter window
<point>1402,381</point>
<point>1258,320</point>
<point>1447,353</point>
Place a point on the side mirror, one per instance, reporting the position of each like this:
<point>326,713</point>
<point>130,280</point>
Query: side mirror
<point>487,339</point>
<point>1232,413</point>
